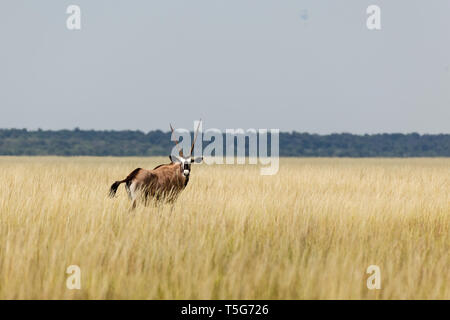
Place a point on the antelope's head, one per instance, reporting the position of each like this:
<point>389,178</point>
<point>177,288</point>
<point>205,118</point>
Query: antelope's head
<point>185,162</point>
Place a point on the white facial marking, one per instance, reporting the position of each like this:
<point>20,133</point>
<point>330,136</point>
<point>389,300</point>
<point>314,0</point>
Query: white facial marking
<point>186,172</point>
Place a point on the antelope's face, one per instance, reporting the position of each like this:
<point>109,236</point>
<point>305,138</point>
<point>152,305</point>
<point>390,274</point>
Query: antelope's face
<point>185,163</point>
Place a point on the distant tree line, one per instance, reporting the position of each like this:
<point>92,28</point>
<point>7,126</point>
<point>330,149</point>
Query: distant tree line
<point>157,143</point>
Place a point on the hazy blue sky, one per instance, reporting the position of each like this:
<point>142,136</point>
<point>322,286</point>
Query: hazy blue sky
<point>295,65</point>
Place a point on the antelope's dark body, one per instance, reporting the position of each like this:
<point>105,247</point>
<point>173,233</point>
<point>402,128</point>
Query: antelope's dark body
<point>163,183</point>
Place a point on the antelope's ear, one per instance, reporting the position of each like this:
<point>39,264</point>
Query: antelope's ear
<point>197,160</point>
<point>174,159</point>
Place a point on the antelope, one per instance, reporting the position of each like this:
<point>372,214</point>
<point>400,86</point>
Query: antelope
<point>164,182</point>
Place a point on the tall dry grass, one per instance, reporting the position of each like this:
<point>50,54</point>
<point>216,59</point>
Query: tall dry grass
<point>308,232</point>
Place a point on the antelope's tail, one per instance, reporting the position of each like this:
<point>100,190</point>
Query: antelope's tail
<point>113,189</point>
<point>115,185</point>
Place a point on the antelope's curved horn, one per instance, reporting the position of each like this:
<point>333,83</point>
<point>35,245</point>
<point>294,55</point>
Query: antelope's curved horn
<point>180,151</point>
<point>195,137</point>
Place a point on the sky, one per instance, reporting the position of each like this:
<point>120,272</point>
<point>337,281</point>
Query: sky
<point>309,66</point>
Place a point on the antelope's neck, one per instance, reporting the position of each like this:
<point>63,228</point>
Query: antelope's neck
<point>180,173</point>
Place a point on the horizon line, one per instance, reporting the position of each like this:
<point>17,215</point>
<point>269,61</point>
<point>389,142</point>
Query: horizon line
<point>280,131</point>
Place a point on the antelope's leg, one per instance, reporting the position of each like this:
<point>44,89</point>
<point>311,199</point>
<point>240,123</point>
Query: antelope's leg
<point>146,198</point>
<point>127,187</point>
<point>132,190</point>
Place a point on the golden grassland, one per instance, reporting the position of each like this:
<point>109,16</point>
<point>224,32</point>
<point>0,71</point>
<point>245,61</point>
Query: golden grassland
<point>309,232</point>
